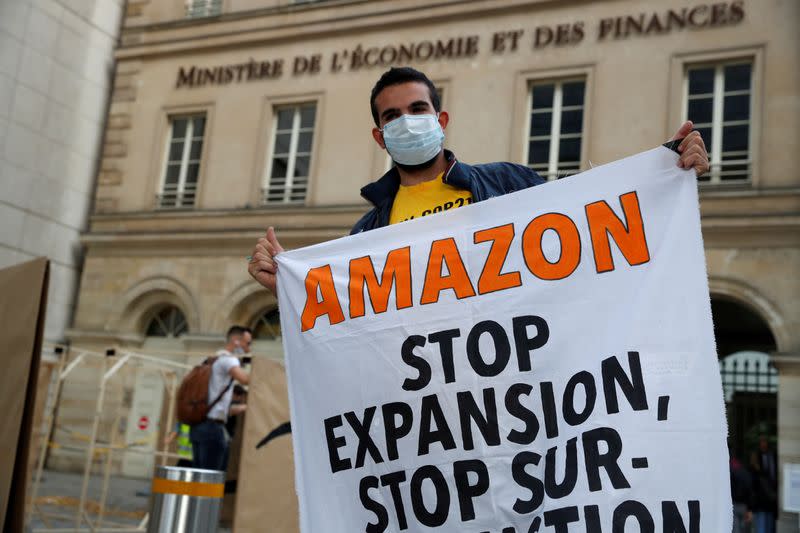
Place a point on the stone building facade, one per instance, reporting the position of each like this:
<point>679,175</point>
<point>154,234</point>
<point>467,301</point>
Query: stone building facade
<point>56,59</point>
<point>229,116</point>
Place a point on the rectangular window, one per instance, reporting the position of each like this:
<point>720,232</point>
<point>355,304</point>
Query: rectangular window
<point>179,181</point>
<point>718,101</point>
<point>555,133</point>
<point>290,162</point>
<point>203,8</point>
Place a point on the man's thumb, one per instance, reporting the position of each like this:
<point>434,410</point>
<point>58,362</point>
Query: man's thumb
<point>683,131</point>
<point>273,240</point>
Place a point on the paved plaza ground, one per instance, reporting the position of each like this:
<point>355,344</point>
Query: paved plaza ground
<point>127,501</point>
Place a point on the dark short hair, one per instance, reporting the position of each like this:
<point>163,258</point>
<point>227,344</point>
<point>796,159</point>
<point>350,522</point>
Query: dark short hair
<point>396,76</point>
<point>236,331</point>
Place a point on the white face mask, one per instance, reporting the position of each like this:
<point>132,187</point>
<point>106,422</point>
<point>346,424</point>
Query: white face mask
<point>413,139</point>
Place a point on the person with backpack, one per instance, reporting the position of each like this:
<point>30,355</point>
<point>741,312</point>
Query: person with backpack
<point>208,435</point>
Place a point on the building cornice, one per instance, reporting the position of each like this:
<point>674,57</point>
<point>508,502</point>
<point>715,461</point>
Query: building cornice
<point>214,231</point>
<point>226,220</point>
<point>746,191</point>
<point>200,344</point>
<point>737,199</point>
<point>234,232</point>
<point>199,243</point>
<point>231,16</point>
<point>752,231</point>
<point>784,361</point>
<point>301,22</point>
<point>109,338</point>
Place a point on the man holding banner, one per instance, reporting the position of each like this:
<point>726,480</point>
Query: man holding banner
<point>426,178</point>
<point>540,362</point>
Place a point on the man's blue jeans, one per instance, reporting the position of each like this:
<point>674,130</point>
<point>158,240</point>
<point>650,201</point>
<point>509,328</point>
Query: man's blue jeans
<point>209,445</point>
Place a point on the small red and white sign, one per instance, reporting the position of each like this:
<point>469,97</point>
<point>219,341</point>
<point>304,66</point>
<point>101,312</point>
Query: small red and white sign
<point>143,422</point>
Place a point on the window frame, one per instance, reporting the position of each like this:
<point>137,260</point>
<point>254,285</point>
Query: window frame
<point>522,107</point>
<point>292,157</point>
<point>204,9</point>
<point>679,65</point>
<point>555,135</point>
<point>717,124</point>
<point>255,322</point>
<point>154,315</point>
<point>171,116</point>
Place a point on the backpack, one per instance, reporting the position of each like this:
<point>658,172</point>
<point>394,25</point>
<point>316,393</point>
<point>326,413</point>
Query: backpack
<point>192,397</point>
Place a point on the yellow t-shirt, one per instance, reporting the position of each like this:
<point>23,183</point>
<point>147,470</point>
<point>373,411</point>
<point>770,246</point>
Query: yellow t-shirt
<point>427,198</point>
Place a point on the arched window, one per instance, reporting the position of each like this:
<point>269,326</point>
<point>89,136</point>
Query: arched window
<point>749,380</point>
<point>168,321</point>
<point>747,372</point>
<point>268,325</point>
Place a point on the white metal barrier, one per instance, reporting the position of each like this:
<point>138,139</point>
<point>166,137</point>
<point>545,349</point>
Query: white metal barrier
<point>111,362</point>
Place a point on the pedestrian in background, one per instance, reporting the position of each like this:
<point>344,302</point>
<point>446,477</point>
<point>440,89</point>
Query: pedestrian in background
<point>741,495</point>
<point>181,436</point>
<point>764,465</point>
<point>209,438</point>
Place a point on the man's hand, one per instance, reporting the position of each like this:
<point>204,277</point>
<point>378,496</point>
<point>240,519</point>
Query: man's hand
<point>262,266</point>
<point>692,149</point>
<point>169,438</point>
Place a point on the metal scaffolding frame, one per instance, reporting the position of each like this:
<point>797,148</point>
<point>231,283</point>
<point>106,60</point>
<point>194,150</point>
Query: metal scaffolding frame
<point>112,361</point>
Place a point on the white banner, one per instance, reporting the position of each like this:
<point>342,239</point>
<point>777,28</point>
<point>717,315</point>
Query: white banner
<point>542,361</point>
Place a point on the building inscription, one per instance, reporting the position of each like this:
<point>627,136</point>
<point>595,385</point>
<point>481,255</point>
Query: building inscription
<point>541,37</point>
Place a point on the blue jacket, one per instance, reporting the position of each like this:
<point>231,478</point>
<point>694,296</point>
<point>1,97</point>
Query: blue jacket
<point>483,181</point>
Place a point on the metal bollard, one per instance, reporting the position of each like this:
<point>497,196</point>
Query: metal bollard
<point>186,500</point>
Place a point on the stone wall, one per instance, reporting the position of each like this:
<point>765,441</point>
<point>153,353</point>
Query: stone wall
<point>56,62</point>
